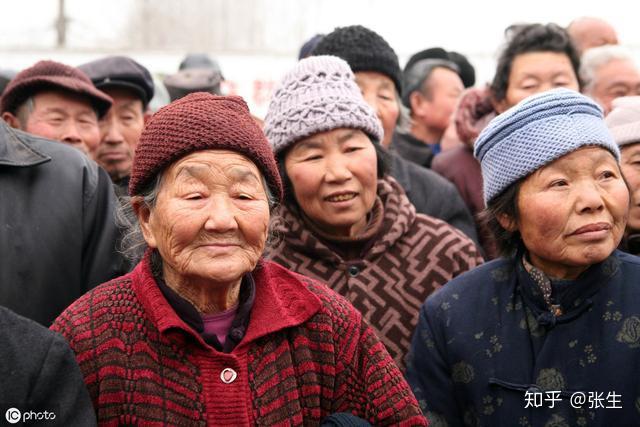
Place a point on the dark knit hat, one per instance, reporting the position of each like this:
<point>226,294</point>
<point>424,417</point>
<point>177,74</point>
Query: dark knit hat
<point>122,72</point>
<point>201,121</point>
<point>364,50</point>
<point>52,75</point>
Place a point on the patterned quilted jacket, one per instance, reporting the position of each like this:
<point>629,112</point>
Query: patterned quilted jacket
<point>409,257</point>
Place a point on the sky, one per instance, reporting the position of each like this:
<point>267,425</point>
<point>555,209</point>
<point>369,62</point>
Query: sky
<point>474,28</point>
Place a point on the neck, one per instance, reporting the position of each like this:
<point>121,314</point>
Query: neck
<point>206,297</point>
<point>424,133</point>
<point>553,271</point>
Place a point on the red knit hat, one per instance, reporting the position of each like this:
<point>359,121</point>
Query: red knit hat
<point>52,75</point>
<point>201,121</point>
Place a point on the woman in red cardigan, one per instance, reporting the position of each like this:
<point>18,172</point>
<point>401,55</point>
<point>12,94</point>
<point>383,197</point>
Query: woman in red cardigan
<point>203,331</point>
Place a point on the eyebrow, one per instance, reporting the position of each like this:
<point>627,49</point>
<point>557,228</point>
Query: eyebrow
<point>237,174</point>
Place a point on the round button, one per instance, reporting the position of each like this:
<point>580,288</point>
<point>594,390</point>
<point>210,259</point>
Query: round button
<point>228,375</point>
<point>354,270</point>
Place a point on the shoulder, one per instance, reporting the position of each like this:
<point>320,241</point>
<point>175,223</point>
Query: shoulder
<point>25,345</point>
<point>330,302</point>
<point>474,288</point>
<point>94,305</point>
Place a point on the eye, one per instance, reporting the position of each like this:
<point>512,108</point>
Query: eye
<point>608,174</point>
<point>352,149</point>
<point>385,97</point>
<point>312,157</point>
<point>244,196</point>
<point>559,183</point>
<point>194,196</point>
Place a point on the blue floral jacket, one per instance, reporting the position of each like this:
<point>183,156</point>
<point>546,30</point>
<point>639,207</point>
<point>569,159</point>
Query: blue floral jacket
<point>487,350</point>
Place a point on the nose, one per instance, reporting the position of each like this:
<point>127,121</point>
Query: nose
<point>110,132</point>
<point>70,133</point>
<point>589,198</point>
<point>337,168</point>
<point>221,215</point>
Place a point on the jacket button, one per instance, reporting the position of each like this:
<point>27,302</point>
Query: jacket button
<point>228,375</point>
<point>354,270</point>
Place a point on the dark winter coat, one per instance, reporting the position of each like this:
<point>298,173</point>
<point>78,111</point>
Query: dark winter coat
<point>57,225</point>
<point>39,373</point>
<point>408,257</point>
<point>432,195</point>
<point>413,149</point>
<point>487,340</point>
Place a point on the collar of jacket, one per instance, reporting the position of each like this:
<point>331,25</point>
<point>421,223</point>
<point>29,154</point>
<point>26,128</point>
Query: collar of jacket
<point>16,149</point>
<point>578,295</point>
<point>282,300</point>
<point>398,218</point>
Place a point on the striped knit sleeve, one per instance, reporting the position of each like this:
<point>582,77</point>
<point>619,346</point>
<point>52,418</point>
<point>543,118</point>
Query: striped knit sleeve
<point>368,382</point>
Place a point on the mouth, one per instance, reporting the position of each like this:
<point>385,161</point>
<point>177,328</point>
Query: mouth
<point>595,228</point>
<point>344,196</point>
<point>113,156</point>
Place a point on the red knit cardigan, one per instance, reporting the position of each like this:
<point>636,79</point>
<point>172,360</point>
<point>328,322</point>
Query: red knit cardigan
<point>306,354</point>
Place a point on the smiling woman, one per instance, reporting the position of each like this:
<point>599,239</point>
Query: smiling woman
<point>554,314</point>
<point>344,220</point>
<point>208,331</point>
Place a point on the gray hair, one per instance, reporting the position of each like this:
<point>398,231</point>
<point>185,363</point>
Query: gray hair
<point>133,245</point>
<point>24,110</point>
<point>594,58</point>
<point>403,124</point>
<point>417,77</point>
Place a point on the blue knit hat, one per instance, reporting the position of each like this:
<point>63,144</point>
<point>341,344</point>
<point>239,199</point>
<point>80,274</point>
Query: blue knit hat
<point>534,133</point>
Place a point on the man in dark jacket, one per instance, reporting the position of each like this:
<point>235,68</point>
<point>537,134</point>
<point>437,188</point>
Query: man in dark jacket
<point>431,87</point>
<point>369,55</point>
<point>57,225</point>
<point>41,381</point>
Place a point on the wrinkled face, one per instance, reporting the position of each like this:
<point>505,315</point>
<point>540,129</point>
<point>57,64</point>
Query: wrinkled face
<point>612,80</point>
<point>211,218</point>
<point>630,165</point>
<point>573,212</point>
<point>64,117</point>
<point>379,92</point>
<point>535,72</point>
<point>120,131</point>
<point>444,87</point>
<point>334,179</point>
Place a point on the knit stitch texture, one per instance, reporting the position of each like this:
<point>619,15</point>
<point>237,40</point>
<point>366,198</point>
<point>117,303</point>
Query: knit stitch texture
<point>318,95</point>
<point>534,133</point>
<point>307,353</point>
<point>201,121</point>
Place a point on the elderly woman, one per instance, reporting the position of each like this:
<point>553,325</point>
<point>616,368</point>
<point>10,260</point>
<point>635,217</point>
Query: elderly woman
<point>203,331</point>
<point>345,221</point>
<point>535,58</point>
<point>521,339</point>
<point>624,124</point>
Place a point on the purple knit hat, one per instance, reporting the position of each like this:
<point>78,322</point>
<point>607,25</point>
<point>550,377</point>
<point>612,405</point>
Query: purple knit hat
<point>320,94</point>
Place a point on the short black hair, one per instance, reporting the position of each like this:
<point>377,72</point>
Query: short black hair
<point>504,204</point>
<point>383,163</point>
<point>526,38</point>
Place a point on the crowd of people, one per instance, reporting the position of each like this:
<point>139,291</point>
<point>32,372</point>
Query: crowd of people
<point>387,246</point>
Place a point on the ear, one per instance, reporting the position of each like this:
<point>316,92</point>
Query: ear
<point>143,213</point>
<point>507,222</point>
<point>417,102</point>
<point>11,120</point>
